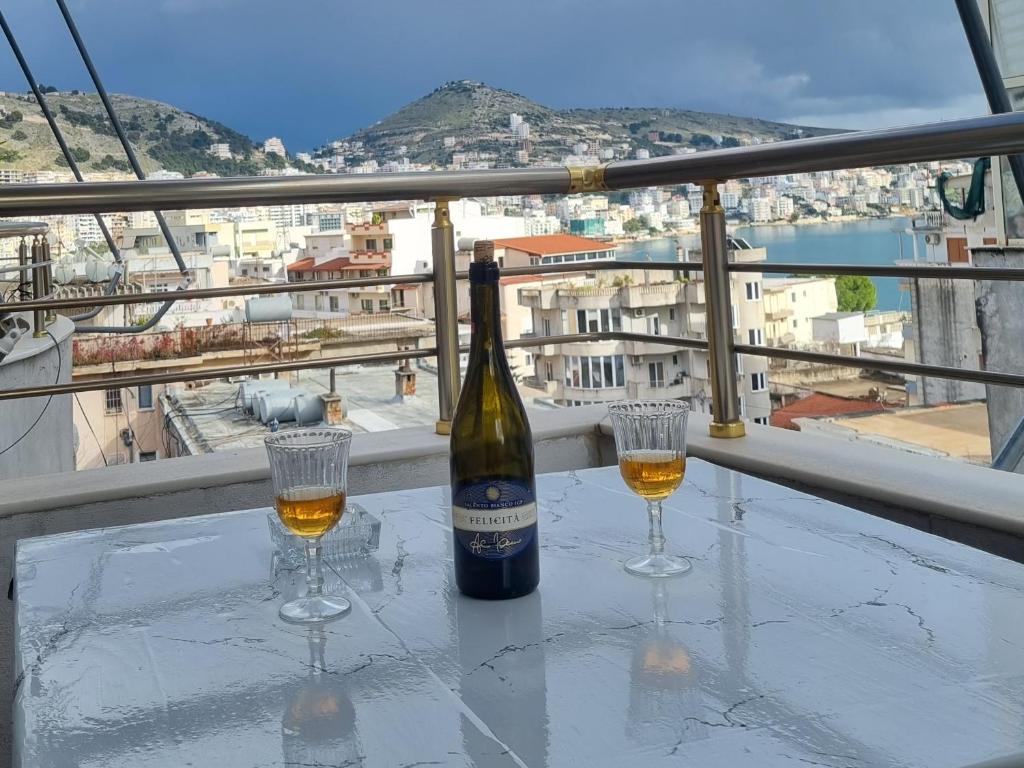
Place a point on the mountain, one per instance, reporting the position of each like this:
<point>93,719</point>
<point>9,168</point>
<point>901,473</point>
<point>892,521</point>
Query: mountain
<point>162,136</point>
<point>476,116</point>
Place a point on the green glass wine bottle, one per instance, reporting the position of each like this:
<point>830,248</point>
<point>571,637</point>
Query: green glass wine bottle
<point>494,504</point>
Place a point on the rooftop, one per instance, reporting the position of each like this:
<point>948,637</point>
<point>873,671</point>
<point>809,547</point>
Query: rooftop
<point>549,245</point>
<point>820,405</point>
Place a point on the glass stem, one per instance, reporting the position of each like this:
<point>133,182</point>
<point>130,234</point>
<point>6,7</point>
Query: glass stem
<point>314,569</point>
<point>656,537</point>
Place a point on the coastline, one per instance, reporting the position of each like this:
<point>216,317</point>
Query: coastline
<point>732,223</point>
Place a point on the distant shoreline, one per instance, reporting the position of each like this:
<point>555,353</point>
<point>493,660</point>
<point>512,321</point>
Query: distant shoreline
<point>802,222</point>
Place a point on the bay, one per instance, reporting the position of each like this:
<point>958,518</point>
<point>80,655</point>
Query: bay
<point>868,241</point>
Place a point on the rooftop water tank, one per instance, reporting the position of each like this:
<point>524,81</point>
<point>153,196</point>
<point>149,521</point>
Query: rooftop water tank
<point>309,409</point>
<point>268,309</point>
<point>277,405</point>
<point>249,389</point>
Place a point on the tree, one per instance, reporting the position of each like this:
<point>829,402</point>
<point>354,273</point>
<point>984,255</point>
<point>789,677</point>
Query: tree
<point>855,293</point>
<point>794,217</point>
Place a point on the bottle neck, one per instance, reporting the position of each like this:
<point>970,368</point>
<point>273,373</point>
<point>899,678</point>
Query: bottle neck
<point>485,308</point>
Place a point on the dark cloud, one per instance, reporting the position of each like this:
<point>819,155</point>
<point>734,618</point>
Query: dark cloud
<point>311,70</point>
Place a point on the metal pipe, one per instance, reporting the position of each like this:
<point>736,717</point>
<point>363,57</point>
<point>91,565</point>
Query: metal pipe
<point>44,105</point>
<point>988,71</point>
<point>38,289</point>
<point>725,398</point>
<point>133,160</point>
<point>891,366</point>
<point>446,316</point>
<point>116,382</point>
<point>917,369</point>
<point>44,267</point>
<point>884,270</point>
<point>1010,455</point>
<point>987,135</point>
<point>349,282</point>
<point>212,293</point>
<point>25,283</point>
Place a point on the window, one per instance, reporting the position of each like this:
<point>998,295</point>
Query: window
<point>387,243</point>
<point>334,303</point>
<point>367,305</point>
<point>755,336</point>
<point>675,359</point>
<point>761,420</point>
<point>654,325</point>
<point>371,244</point>
<point>794,322</point>
<point>594,372</point>
<point>671,313</point>
<point>146,397</point>
<point>399,298</point>
<point>594,320</point>
<point>384,305</point>
<point>753,291</point>
<point>113,401</point>
<point>545,325</point>
<point>758,382</point>
<point>366,273</point>
<point>549,371</point>
<point>656,374</point>
<point>382,272</point>
<point>792,297</point>
<point>147,456</point>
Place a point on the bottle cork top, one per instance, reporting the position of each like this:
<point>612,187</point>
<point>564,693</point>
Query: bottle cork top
<point>483,251</point>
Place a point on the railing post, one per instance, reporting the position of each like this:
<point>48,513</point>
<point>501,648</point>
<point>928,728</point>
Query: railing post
<point>446,315</point>
<point>25,279</point>
<point>50,315</point>
<point>725,401</point>
<point>38,288</point>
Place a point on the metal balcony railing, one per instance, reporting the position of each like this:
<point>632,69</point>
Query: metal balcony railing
<point>992,135</point>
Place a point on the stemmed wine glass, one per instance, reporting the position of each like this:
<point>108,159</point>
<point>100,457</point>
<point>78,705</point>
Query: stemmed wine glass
<point>650,438</point>
<point>309,468</point>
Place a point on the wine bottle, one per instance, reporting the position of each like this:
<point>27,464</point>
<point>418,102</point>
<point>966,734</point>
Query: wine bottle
<point>494,507</point>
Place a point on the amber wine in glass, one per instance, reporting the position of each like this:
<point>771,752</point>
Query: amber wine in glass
<point>650,438</point>
<point>309,468</point>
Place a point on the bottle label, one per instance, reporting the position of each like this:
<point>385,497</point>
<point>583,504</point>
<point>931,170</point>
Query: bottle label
<point>494,520</point>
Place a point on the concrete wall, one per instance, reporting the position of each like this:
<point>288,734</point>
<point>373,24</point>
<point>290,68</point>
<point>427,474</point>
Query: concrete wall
<point>946,329</point>
<point>49,446</point>
<point>1001,322</point>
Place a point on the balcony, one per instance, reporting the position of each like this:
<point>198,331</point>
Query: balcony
<point>654,295</point>
<point>660,390</point>
<point>780,313</point>
<point>368,230</point>
<point>650,347</point>
<point>976,505</point>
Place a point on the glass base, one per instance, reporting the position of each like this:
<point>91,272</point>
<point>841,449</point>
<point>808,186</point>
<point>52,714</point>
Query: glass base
<point>314,610</point>
<point>657,566</point>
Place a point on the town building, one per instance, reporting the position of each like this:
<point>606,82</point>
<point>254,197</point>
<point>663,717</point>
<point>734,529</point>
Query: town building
<point>789,305</point>
<point>274,146</point>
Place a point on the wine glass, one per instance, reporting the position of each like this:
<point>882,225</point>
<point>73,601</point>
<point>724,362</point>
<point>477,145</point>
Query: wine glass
<point>309,468</point>
<point>650,438</point>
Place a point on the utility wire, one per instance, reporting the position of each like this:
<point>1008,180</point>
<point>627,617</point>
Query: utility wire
<point>89,424</point>
<point>48,400</point>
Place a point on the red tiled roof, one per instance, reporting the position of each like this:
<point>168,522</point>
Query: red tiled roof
<point>546,245</point>
<point>818,405</point>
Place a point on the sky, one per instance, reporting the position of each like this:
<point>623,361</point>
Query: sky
<point>311,71</point>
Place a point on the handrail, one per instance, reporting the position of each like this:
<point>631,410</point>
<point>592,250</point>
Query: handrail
<point>920,269</point>
<point>971,137</point>
<point>302,286</point>
<point>892,366</point>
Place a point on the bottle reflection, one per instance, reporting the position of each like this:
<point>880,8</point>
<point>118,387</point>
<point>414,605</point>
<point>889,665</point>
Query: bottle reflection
<point>503,680</point>
<point>319,722</point>
<point>664,699</point>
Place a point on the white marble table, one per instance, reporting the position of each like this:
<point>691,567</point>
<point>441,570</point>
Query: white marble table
<point>807,634</point>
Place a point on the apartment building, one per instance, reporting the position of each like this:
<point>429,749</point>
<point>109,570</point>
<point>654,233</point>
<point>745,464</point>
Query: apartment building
<point>118,426</point>
<point>789,305</point>
<point>631,300</point>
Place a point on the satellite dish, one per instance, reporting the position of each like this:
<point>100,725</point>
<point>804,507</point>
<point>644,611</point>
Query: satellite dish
<point>64,273</point>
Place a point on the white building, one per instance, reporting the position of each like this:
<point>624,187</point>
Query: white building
<point>760,210</point>
<point>274,146</point>
<point>642,302</point>
<point>221,151</point>
<point>789,305</point>
<point>783,208</point>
